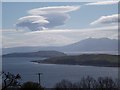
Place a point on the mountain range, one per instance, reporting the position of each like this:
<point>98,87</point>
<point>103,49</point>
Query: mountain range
<point>86,45</point>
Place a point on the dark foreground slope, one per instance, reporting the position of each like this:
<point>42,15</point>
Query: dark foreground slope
<point>85,59</point>
<point>36,54</point>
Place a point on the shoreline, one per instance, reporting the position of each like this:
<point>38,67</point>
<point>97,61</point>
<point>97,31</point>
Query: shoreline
<point>99,60</point>
<point>37,62</point>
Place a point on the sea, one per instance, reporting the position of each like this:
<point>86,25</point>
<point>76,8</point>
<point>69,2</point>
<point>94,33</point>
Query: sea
<point>53,73</point>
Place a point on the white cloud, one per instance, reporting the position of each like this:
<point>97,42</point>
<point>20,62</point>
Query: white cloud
<point>56,37</point>
<point>55,9</point>
<point>34,19</point>
<point>45,18</point>
<point>111,19</point>
<point>104,2</point>
<point>32,22</point>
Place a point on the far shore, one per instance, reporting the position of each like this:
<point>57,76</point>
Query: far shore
<point>100,60</point>
<point>83,65</point>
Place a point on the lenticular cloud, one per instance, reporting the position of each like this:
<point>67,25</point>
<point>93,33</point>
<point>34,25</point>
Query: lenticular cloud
<point>45,18</point>
<point>110,19</point>
<point>57,9</point>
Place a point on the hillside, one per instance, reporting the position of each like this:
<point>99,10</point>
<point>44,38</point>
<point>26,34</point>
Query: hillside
<point>93,44</point>
<point>36,54</point>
<point>85,59</point>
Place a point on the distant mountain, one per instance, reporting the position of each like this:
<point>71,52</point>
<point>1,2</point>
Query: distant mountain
<point>36,54</point>
<point>27,49</point>
<point>87,45</point>
<point>92,44</point>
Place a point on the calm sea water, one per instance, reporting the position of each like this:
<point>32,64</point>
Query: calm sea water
<point>53,73</point>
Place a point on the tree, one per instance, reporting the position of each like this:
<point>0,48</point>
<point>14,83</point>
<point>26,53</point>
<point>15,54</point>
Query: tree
<point>10,80</point>
<point>89,83</point>
<point>106,82</point>
<point>31,86</point>
<point>64,85</point>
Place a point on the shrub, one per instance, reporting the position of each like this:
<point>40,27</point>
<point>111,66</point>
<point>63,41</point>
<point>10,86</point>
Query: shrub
<point>31,86</point>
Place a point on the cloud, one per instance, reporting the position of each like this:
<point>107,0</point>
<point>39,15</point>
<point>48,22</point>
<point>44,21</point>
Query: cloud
<point>56,19</point>
<point>56,37</point>
<point>111,19</point>
<point>104,3</point>
<point>32,22</point>
<point>56,9</point>
<point>45,18</point>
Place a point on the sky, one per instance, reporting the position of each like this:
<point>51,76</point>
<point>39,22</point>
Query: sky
<point>57,23</point>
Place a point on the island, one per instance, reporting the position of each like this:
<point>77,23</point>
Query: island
<point>36,54</point>
<point>102,60</point>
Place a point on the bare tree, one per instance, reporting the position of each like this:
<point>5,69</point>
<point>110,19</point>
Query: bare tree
<point>64,85</point>
<point>10,80</point>
<point>89,83</point>
<point>106,82</point>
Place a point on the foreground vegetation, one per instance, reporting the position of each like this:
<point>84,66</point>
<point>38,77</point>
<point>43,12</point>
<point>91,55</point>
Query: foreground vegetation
<point>103,60</point>
<point>11,82</point>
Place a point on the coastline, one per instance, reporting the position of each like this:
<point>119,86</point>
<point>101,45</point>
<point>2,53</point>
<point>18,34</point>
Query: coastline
<point>99,60</point>
<point>81,65</point>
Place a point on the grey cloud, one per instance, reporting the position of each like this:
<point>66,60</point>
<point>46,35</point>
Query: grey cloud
<point>45,18</point>
<point>32,22</point>
<point>56,19</point>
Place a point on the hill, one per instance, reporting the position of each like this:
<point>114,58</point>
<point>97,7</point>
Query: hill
<point>85,59</point>
<point>36,54</point>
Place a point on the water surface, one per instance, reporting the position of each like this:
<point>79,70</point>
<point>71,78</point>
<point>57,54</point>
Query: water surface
<point>53,73</point>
